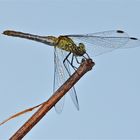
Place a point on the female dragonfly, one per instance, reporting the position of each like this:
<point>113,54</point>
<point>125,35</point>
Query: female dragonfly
<point>67,49</point>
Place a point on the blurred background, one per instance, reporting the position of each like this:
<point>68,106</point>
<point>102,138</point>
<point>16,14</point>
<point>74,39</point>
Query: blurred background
<point>108,95</point>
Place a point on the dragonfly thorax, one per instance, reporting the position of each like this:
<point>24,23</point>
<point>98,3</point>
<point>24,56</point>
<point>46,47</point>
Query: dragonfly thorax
<point>67,44</point>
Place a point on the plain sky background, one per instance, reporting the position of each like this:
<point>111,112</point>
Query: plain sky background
<point>109,95</point>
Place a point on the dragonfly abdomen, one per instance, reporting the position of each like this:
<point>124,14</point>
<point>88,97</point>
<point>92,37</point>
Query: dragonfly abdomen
<point>49,40</point>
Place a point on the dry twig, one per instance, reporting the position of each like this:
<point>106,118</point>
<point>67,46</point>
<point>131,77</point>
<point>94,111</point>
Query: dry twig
<point>45,107</point>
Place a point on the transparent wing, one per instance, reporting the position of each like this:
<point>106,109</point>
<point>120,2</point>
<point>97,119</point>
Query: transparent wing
<point>102,42</point>
<point>60,76</point>
<point>58,80</point>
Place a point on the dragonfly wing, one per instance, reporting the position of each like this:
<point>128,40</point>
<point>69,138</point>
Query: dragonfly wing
<point>60,76</point>
<point>74,97</point>
<point>58,80</point>
<point>132,42</point>
<point>102,42</point>
<point>119,38</point>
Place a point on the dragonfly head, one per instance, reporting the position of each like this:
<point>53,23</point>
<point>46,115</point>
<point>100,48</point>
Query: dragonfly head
<point>81,49</point>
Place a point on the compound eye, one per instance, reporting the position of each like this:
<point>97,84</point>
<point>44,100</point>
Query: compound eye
<point>81,44</point>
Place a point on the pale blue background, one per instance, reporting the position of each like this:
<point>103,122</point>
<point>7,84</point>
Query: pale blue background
<point>109,95</point>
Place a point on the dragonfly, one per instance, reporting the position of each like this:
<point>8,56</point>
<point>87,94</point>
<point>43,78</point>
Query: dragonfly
<point>68,48</point>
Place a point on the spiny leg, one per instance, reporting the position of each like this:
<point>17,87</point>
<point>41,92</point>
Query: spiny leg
<point>77,60</point>
<point>70,62</point>
<point>64,62</point>
<point>85,57</point>
<point>74,67</point>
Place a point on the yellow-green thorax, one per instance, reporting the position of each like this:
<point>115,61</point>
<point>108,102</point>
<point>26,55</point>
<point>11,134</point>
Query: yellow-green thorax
<point>67,44</point>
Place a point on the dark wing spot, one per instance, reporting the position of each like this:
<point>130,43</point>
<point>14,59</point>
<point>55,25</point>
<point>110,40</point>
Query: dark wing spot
<point>133,38</point>
<point>120,31</point>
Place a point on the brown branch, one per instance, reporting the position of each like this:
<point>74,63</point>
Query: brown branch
<point>38,115</point>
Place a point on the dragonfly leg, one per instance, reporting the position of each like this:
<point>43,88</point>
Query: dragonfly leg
<point>70,62</point>
<point>88,57</point>
<point>85,57</point>
<point>74,67</point>
<point>77,60</point>
<point>66,59</point>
